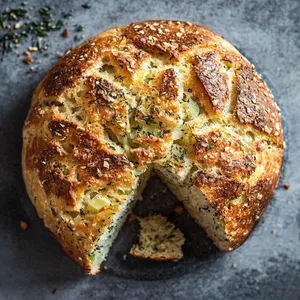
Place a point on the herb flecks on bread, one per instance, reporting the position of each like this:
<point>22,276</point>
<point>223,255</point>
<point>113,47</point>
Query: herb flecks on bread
<point>165,95</point>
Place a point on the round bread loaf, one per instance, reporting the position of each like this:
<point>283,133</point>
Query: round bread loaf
<point>165,95</point>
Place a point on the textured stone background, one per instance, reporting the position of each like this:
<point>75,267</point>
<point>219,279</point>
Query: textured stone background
<point>267,265</point>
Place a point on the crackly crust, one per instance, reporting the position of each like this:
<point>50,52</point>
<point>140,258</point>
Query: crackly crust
<point>169,88</point>
<point>218,189</point>
<point>215,149</point>
<point>76,62</point>
<point>255,103</point>
<point>167,37</point>
<point>208,70</point>
<point>131,58</point>
<point>186,60</point>
<point>106,104</point>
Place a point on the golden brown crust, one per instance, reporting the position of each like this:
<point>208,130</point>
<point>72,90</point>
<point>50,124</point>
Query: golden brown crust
<point>39,155</point>
<point>131,58</point>
<point>35,116</point>
<point>208,70</point>
<point>152,148</point>
<point>106,104</point>
<point>255,103</point>
<point>73,65</point>
<point>90,154</point>
<point>167,37</point>
<point>219,189</point>
<point>240,204</point>
<point>169,88</point>
<point>241,218</point>
<point>157,67</point>
<point>213,149</point>
<point>74,153</point>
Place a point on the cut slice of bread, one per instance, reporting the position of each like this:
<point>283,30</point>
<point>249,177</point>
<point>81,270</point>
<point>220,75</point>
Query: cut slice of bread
<point>158,239</point>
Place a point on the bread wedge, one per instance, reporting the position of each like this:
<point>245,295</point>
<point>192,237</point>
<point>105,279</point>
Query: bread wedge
<point>158,239</point>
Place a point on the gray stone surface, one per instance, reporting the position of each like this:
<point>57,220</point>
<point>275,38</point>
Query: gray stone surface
<point>267,265</point>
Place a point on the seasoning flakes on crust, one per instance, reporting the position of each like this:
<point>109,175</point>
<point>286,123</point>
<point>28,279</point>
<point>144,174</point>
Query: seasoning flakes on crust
<point>41,155</point>
<point>169,88</point>
<point>75,63</point>
<point>130,58</point>
<point>151,148</point>
<point>240,217</point>
<point>218,189</point>
<point>255,103</point>
<point>209,71</point>
<point>107,105</point>
<point>228,154</point>
<point>167,37</point>
<point>93,158</point>
<point>74,157</point>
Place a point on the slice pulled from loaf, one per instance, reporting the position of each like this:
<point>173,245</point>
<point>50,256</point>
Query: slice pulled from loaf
<point>165,95</point>
<point>158,239</point>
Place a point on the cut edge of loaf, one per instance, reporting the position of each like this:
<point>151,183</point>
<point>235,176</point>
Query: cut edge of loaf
<point>101,249</point>
<point>197,206</point>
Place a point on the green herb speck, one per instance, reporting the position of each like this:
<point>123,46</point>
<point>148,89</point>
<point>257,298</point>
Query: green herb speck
<point>209,147</point>
<point>86,5</point>
<point>79,28</point>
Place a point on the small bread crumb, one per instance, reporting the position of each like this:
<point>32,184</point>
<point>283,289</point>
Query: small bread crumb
<point>234,265</point>
<point>65,33</point>
<point>59,54</point>
<point>273,231</point>
<point>54,290</point>
<point>201,252</point>
<point>286,186</point>
<point>24,225</point>
<point>132,217</point>
<point>28,60</point>
<point>178,209</point>
<point>33,49</point>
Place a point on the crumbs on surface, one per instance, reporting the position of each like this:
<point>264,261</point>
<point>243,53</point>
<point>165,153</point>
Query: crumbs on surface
<point>65,33</point>
<point>20,28</point>
<point>31,70</point>
<point>24,225</point>
<point>178,209</point>
<point>286,186</point>
<point>132,217</point>
<point>28,60</point>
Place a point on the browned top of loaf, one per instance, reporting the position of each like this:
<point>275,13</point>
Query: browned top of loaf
<point>208,70</point>
<point>167,37</point>
<point>255,103</point>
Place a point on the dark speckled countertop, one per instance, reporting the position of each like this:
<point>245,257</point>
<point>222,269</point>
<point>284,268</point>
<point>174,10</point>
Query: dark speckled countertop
<point>267,266</point>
